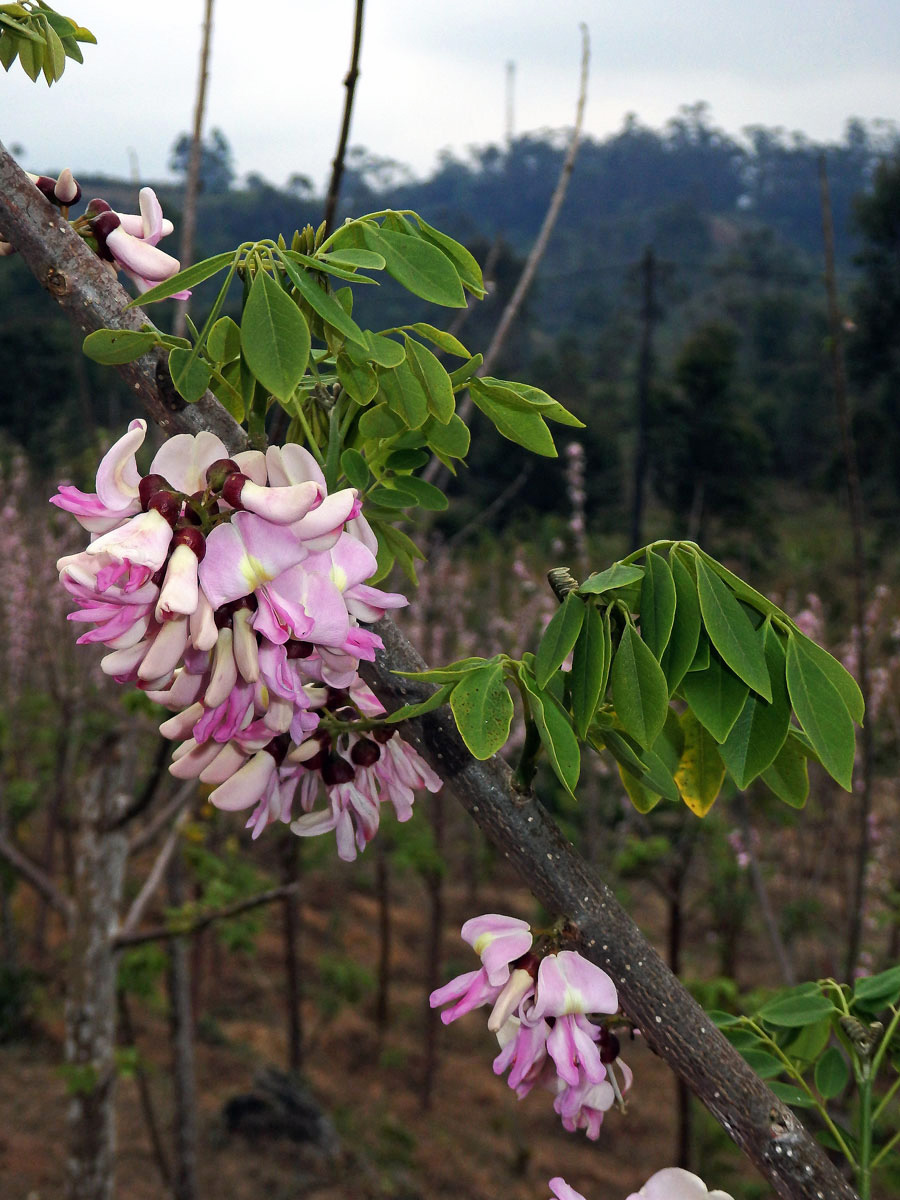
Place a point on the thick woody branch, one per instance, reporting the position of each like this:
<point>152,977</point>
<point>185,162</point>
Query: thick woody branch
<point>671,1021</point>
<point>92,297</point>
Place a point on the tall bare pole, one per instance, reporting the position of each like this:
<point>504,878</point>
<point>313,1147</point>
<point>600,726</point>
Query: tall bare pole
<point>337,166</point>
<point>854,495</point>
<point>192,182</point>
<point>645,372</point>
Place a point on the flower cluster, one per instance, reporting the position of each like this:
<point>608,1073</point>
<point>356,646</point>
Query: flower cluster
<point>126,241</point>
<point>231,590</point>
<point>541,1005</point>
<point>672,1183</point>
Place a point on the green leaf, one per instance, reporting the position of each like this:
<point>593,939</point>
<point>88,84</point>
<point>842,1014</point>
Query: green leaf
<point>408,711</point>
<point>549,408</point>
<point>54,55</point>
<point>188,278</point>
<point>590,666</point>
<point>839,677</point>
<point>31,56</point>
<point>426,495</point>
<point>716,696</point>
<point>832,1073</point>
<point>682,644</point>
<point>758,733</point>
<point>618,575</point>
<point>354,258</point>
<point>115,346</point>
<point>399,547</point>
<point>518,425</point>
<point>358,380</point>
<point>791,1094</point>
<point>274,337</point>
<point>483,710</point>
<point>417,265</point>
<point>356,469</point>
<point>559,638</point>
<point>434,380</point>
<point>657,604</point>
<point>731,632</point>
<point>329,266</point>
<point>809,1042</point>
<point>467,268</point>
<point>223,344</point>
<point>391,497</point>
<point>406,460</point>
<point>9,49</point>
<point>796,1010</point>
<point>722,1020</point>
<point>639,692</point>
<point>379,422</point>
<point>72,49</point>
<point>556,733</point>
<point>765,1065</point>
<point>821,711</point>
<point>191,375</point>
<point>641,797</point>
<point>463,374</point>
<point>700,769</point>
<point>788,776</point>
<point>226,388</point>
<point>882,989</point>
<point>322,302</point>
<point>379,349</point>
<point>452,439</point>
<point>440,338</point>
<point>451,671</point>
<point>404,394</point>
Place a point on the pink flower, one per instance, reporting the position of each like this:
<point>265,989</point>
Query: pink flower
<point>132,242</point>
<point>562,1190</point>
<point>498,941</point>
<point>672,1183</point>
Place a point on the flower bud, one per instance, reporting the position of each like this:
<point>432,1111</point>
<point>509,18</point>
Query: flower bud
<point>232,488</point>
<point>218,472</point>
<point>66,190</point>
<point>298,649</point>
<point>149,486</point>
<point>365,753</point>
<point>336,770</point>
<point>189,535</point>
<point>167,504</point>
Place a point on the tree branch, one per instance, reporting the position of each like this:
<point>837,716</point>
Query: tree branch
<point>673,1024</point>
<point>162,932</point>
<point>156,874</point>
<point>32,873</point>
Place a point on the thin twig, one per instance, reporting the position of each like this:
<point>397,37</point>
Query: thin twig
<point>337,167</point>
<point>164,932</point>
<point>155,875</point>
<point>160,822</point>
<point>33,874</point>
<point>192,181</point>
<point>159,1151</point>
<point>436,471</point>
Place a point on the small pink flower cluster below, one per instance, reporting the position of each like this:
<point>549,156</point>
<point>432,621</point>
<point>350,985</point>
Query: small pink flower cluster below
<point>231,590</point>
<point>672,1183</point>
<point>541,1006</point>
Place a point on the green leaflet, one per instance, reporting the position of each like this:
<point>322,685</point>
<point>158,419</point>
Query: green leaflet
<point>832,1074</point>
<point>451,440</point>
<point>358,380</point>
<point>454,670</point>
<point>618,575</point>
<point>467,268</point>
<point>682,645</point>
<point>821,711</point>
<point>657,604</point>
<point>223,345</point>
<point>557,736</point>
<point>356,469</point>
<point>325,304</point>
<point>379,349</point>
<point>190,374</point>
<point>425,494</point>
<point>417,265</point>
<point>590,666</point>
<point>639,692</point>
<point>758,733</point>
<point>379,422</point>
<point>275,338</point>
<point>523,426</point>
<point>559,638</point>
<point>408,711</point>
<point>731,632</point>
<point>434,380</point>
<point>839,677</point>
<point>797,1010</point>
<point>404,395</point>
<point>188,278</point>
<point>700,769</point>
<point>440,338</point>
<point>533,397</point>
<point>716,696</point>
<point>788,776</point>
<point>483,710</point>
<point>116,346</point>
<point>642,797</point>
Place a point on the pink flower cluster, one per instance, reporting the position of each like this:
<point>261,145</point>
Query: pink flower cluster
<point>672,1183</point>
<point>126,241</point>
<point>232,590</point>
<point>541,1006</point>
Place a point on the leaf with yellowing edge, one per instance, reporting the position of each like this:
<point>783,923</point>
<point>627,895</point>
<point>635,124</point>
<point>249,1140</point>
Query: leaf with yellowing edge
<point>700,769</point>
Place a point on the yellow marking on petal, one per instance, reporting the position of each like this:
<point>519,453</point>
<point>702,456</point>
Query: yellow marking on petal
<point>483,941</point>
<point>573,1003</point>
<point>254,573</point>
<point>338,577</point>
<point>263,695</point>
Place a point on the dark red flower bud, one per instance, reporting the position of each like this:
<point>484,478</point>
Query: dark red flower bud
<point>278,748</point>
<point>102,226</point>
<point>336,698</point>
<point>232,488</point>
<point>609,1048</point>
<point>297,649</point>
<point>365,753</point>
<point>96,206</point>
<point>189,535</point>
<point>218,472</point>
<point>383,733</point>
<point>337,770</point>
<point>168,504</point>
<point>528,962</point>
<point>45,186</point>
<point>149,486</point>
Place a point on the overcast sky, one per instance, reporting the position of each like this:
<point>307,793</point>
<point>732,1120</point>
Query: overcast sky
<point>433,75</point>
